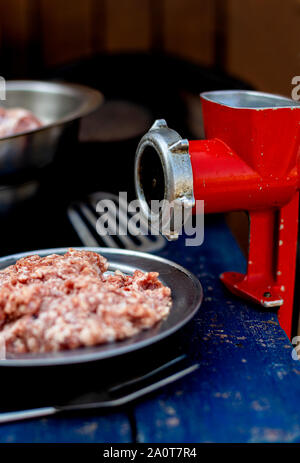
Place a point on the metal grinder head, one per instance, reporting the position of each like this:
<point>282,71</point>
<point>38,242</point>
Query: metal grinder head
<point>248,161</point>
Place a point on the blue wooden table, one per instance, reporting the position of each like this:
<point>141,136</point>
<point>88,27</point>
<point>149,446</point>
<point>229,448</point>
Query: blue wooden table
<point>247,388</point>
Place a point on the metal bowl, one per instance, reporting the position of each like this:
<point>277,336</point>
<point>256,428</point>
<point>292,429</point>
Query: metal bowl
<point>187,296</point>
<point>58,106</point>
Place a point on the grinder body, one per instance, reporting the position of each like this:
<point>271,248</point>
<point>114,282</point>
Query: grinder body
<point>248,161</point>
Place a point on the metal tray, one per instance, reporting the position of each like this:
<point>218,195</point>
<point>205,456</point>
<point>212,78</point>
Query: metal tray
<point>187,296</point>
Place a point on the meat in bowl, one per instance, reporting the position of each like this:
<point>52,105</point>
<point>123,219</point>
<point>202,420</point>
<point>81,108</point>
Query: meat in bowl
<point>17,120</point>
<point>67,301</point>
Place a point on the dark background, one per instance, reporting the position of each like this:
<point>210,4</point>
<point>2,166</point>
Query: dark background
<point>255,40</point>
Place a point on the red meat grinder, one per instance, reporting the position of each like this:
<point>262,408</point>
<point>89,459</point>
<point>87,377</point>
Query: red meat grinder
<point>248,161</point>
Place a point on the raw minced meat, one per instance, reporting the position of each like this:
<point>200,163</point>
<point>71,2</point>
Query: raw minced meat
<point>67,301</point>
<point>17,120</point>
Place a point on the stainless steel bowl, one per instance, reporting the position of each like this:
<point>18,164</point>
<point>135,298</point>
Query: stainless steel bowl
<point>58,106</point>
<point>187,295</point>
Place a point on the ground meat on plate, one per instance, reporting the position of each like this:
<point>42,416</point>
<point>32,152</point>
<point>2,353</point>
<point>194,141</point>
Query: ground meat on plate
<point>67,301</point>
<point>17,120</point>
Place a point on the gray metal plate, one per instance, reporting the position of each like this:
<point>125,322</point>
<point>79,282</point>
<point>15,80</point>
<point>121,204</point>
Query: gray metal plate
<point>187,296</point>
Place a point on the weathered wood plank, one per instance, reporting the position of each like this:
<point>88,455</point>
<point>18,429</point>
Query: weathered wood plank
<point>19,24</point>
<point>189,29</point>
<point>128,25</point>
<point>66,30</point>
<point>84,429</point>
<point>263,42</point>
<point>247,388</point>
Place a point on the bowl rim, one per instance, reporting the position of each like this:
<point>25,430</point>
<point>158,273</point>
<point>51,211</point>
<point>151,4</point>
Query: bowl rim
<point>92,101</point>
<point>127,260</point>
